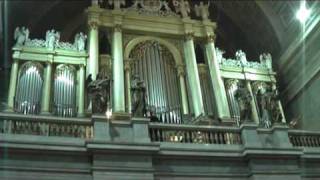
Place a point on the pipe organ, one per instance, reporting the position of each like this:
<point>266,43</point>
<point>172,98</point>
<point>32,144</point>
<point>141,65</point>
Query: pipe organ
<point>151,41</point>
<point>29,88</point>
<point>155,66</point>
<point>64,91</point>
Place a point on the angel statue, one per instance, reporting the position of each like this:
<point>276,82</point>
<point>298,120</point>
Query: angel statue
<point>202,10</point>
<point>21,35</point>
<point>219,55</point>
<point>80,41</point>
<point>266,59</point>
<point>183,7</point>
<point>52,38</point>
<point>241,56</point>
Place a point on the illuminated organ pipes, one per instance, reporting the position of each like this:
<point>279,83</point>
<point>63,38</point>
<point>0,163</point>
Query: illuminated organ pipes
<point>231,89</point>
<point>156,67</point>
<point>64,98</point>
<point>29,89</point>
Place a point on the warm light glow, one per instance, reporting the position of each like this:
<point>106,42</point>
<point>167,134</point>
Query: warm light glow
<point>109,113</point>
<point>303,13</point>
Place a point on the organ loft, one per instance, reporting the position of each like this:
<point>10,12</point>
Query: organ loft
<point>147,109</point>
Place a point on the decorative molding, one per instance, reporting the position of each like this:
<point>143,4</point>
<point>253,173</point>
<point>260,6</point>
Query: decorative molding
<point>93,25</point>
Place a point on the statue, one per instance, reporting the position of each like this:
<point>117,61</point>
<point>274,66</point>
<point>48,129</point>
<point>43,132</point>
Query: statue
<point>80,41</point>
<point>21,35</point>
<point>138,101</point>
<point>219,54</point>
<point>275,108</point>
<point>202,10</point>
<point>183,7</point>
<point>264,104</point>
<point>243,98</point>
<point>52,38</point>
<point>99,90</point>
<point>266,60</point>
<point>241,56</point>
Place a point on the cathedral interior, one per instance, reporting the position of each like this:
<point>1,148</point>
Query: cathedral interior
<point>159,89</point>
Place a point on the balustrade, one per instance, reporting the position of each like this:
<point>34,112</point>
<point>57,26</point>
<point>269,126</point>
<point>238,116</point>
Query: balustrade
<point>46,126</point>
<point>300,138</point>
<point>194,134</point>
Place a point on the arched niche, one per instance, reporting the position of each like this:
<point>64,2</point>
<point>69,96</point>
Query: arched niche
<point>29,88</point>
<point>64,91</point>
<point>155,63</point>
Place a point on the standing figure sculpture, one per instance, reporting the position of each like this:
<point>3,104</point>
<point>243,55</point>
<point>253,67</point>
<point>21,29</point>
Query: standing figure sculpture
<point>243,98</point>
<point>264,103</point>
<point>52,38</point>
<point>21,35</point>
<point>138,93</point>
<point>80,41</point>
<point>99,91</point>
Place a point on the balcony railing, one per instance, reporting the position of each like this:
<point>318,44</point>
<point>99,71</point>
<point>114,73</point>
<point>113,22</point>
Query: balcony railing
<point>194,134</point>
<point>45,126</point>
<point>300,138</point>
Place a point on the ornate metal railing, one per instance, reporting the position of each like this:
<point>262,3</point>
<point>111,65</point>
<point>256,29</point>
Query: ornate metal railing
<point>45,126</point>
<point>300,138</point>
<point>194,134</point>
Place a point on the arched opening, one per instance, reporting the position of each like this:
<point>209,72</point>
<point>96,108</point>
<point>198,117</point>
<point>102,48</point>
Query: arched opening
<point>155,65</point>
<point>29,89</point>
<point>64,97</point>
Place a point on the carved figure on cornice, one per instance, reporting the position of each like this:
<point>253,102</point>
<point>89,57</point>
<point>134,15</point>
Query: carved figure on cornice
<point>219,54</point>
<point>80,41</point>
<point>117,3</point>
<point>202,10</point>
<point>52,38</point>
<point>241,56</point>
<point>138,93</point>
<point>183,7</point>
<point>266,60</point>
<point>21,35</point>
<point>243,98</point>
<point>152,7</point>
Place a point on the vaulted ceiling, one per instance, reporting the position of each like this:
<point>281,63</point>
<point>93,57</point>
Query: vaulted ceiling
<point>253,26</point>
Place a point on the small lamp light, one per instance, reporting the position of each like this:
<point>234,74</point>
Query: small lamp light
<point>303,13</point>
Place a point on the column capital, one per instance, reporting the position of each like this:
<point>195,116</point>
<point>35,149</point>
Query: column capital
<point>189,35</point>
<point>93,24</point>
<point>231,82</point>
<point>211,38</point>
<point>117,28</point>
<point>180,70</point>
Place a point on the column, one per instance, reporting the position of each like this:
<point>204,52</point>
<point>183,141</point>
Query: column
<point>93,64</point>
<point>81,90</point>
<point>216,80</point>
<point>184,98</point>
<point>127,69</point>
<point>193,75</point>
<point>13,84</point>
<point>254,110</point>
<point>46,93</point>
<point>118,71</point>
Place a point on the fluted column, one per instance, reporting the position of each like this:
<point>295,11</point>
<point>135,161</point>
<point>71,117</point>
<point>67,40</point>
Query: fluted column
<point>193,75</point>
<point>93,64</point>
<point>46,93</point>
<point>81,90</point>
<point>184,99</point>
<point>118,71</point>
<point>254,110</point>
<point>127,68</point>
<point>13,84</point>
<point>216,79</point>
